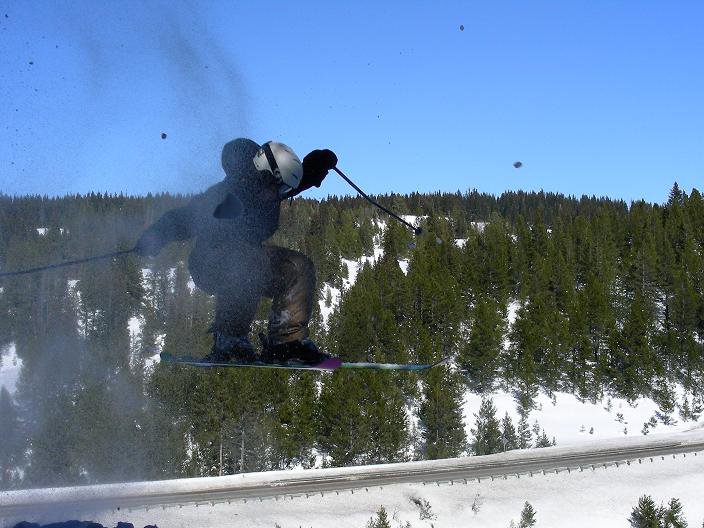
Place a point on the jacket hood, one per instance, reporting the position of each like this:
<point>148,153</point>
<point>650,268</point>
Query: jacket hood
<point>237,158</point>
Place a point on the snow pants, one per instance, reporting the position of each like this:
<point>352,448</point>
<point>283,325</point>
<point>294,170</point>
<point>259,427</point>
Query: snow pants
<point>240,277</point>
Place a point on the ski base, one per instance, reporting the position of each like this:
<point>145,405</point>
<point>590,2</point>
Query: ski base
<point>329,364</point>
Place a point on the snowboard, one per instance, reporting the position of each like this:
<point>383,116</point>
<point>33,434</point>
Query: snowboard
<point>329,364</point>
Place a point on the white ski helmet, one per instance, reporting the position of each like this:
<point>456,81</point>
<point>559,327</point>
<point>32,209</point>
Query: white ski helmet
<point>281,161</point>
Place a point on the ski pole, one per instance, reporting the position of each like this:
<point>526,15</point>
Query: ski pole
<point>416,230</point>
<point>65,264</point>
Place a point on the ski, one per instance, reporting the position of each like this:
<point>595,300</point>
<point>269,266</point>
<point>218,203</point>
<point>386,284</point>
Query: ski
<point>329,364</point>
<point>394,366</point>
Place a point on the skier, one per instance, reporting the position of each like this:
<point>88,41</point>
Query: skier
<point>230,222</point>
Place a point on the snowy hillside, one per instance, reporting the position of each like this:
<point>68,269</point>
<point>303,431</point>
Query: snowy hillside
<point>563,417</point>
<point>571,421</point>
<point>603,496</point>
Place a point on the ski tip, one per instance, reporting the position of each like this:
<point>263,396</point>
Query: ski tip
<point>329,364</point>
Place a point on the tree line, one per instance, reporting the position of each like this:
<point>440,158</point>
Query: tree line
<point>608,299</point>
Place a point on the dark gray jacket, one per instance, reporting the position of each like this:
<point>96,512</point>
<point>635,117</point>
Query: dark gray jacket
<point>257,193</point>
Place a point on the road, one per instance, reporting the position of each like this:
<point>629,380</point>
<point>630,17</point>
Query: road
<point>286,484</point>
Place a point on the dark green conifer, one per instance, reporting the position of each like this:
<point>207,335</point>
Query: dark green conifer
<point>440,415</point>
<point>645,514</point>
<point>487,430</point>
<point>381,520</point>
<point>527,516</point>
<point>509,438</point>
<point>673,516</point>
<point>480,355</point>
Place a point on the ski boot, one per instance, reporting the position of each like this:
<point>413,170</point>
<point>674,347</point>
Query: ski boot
<point>303,351</point>
<point>231,349</point>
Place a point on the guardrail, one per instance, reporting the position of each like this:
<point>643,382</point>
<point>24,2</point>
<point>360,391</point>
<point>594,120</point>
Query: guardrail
<point>279,485</point>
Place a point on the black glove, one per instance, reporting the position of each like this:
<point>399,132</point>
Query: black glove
<point>148,245</point>
<point>316,165</point>
<point>231,207</point>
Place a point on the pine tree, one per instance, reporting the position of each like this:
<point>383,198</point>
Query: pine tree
<point>523,430</point>
<point>440,415</point>
<point>509,438</point>
<point>341,424</point>
<point>381,521</point>
<point>295,420</point>
<point>486,431</point>
<point>676,195</point>
<point>673,516</point>
<point>646,514</point>
<point>612,298</point>
<point>385,418</point>
<point>479,356</point>
<point>542,440</point>
<point>635,363</point>
<point>527,516</point>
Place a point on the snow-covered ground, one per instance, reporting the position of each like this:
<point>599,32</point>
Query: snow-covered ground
<point>10,366</point>
<point>403,264</point>
<point>414,220</point>
<point>479,226</point>
<point>601,497</point>
<point>333,294</point>
<point>563,417</point>
<point>568,419</point>
<point>571,421</point>
<point>156,358</point>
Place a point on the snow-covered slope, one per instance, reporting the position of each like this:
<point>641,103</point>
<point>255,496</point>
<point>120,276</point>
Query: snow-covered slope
<point>602,496</point>
<point>10,366</point>
<point>571,421</point>
<point>564,416</point>
<point>333,294</point>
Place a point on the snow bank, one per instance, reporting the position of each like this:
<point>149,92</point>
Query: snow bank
<point>403,264</point>
<point>10,367</point>
<point>414,220</point>
<point>151,361</point>
<point>134,327</point>
<point>512,311</point>
<point>326,308</point>
<point>479,226</point>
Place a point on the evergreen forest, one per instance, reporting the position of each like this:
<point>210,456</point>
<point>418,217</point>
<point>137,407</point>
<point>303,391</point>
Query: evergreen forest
<point>608,299</point>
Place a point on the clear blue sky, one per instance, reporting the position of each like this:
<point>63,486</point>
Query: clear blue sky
<point>594,97</point>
